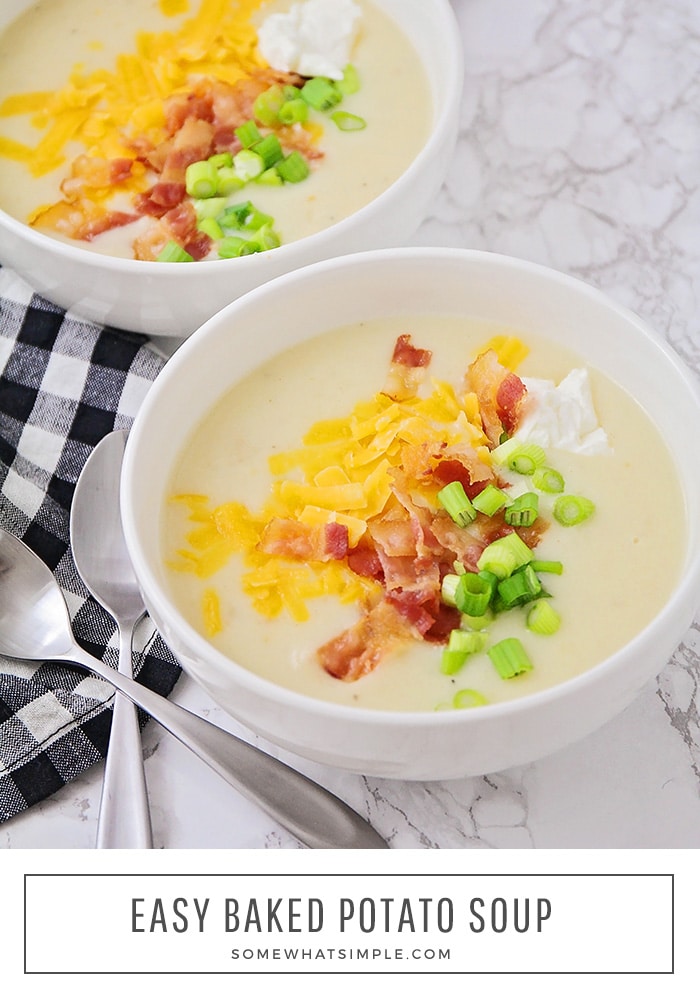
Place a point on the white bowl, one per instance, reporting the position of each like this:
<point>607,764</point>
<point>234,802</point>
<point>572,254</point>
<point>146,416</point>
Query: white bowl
<point>170,300</point>
<point>518,294</point>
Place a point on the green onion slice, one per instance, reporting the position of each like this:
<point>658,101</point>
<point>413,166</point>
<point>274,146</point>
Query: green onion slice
<point>228,181</point>
<point>468,698</point>
<point>490,500</point>
<point>236,246</point>
<point>269,149</point>
<point>200,179</point>
<point>525,458</point>
<point>570,509</point>
<point>347,122</point>
<point>504,556</point>
<point>522,512</point>
<point>542,618</point>
<point>248,134</point>
<point>473,594</point>
<point>547,566</point>
<point>173,253</point>
<point>350,82</point>
<point>466,642</point>
<point>547,480</point>
<point>457,503</point>
<point>211,227</point>
<point>266,106</point>
<point>293,168</point>
<point>509,658</point>
<point>321,93</point>
<point>452,661</point>
<point>519,588</point>
<point>291,112</point>
<point>248,164</point>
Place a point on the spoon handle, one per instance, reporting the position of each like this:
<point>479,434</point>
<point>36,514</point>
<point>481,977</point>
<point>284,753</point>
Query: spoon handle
<point>311,813</point>
<point>124,820</point>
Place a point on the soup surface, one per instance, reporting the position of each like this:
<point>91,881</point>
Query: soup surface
<point>619,564</point>
<point>347,169</point>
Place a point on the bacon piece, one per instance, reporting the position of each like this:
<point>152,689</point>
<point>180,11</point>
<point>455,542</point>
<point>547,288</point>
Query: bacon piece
<point>358,649</point>
<point>364,561</point>
<point>193,142</point>
<point>407,369</point>
<point>500,393</point>
<point>95,173</point>
<point>180,107</point>
<point>304,542</point>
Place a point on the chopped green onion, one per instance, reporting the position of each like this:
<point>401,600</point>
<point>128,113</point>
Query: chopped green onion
<point>228,181</point>
<point>547,566</point>
<point>477,623</point>
<point>542,618</point>
<point>509,658</point>
<point>208,207</point>
<point>221,160</point>
<point>504,556</point>
<point>248,133</point>
<point>500,454</point>
<point>473,594</point>
<point>269,178</point>
<point>172,253</point>
<point>449,585</point>
<point>490,500</point>
<point>569,510</point>
<point>468,698</point>
<point>211,227</point>
<point>521,587</point>
<point>234,216</point>
<point>467,642</point>
<point>457,503</point>
<point>270,150</point>
<point>452,661</point>
<point>235,246</point>
<point>293,168</point>
<point>256,219</point>
<point>525,458</point>
<point>248,164</point>
<point>347,122</point>
<point>350,82</point>
<point>267,238</point>
<point>547,480</point>
<point>291,112</point>
<point>266,106</point>
<point>200,179</point>
<point>321,93</point>
<point>522,511</point>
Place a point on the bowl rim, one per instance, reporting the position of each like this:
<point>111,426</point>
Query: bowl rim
<point>268,690</point>
<point>445,119</point>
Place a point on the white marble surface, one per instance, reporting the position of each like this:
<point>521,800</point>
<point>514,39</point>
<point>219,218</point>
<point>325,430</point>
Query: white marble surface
<point>578,149</point>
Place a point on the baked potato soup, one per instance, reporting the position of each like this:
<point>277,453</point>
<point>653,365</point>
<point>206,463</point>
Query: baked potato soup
<point>190,130</point>
<point>423,513</point>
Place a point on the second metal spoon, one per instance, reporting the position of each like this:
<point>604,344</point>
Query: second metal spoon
<point>101,557</point>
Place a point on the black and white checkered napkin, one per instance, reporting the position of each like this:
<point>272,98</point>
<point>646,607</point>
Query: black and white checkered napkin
<point>64,384</point>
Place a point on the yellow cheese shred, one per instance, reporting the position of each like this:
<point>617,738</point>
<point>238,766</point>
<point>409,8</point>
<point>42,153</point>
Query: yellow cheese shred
<point>100,109</point>
<point>342,474</point>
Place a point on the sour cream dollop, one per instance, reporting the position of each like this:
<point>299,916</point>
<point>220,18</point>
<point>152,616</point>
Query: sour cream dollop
<point>563,416</point>
<point>314,38</point>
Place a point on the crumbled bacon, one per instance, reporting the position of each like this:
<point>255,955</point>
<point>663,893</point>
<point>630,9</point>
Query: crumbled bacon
<point>304,542</point>
<point>358,650</point>
<point>406,371</point>
<point>500,393</point>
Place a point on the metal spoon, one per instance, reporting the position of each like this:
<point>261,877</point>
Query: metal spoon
<point>101,557</point>
<point>34,625</point>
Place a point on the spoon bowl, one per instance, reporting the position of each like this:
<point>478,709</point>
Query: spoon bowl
<point>34,625</point>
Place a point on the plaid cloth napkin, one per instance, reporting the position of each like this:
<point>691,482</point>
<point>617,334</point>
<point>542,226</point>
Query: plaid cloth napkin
<point>64,384</point>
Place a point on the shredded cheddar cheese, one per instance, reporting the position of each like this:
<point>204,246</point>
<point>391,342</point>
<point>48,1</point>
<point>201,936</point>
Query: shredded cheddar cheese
<point>342,475</point>
<point>101,109</point>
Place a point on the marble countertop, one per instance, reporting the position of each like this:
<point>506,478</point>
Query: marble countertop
<point>578,148</point>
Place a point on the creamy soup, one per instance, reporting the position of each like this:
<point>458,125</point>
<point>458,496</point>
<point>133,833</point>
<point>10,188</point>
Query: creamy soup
<point>619,565</point>
<point>353,167</point>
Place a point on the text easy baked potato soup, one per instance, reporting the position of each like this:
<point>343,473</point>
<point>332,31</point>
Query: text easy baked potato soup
<point>348,438</point>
